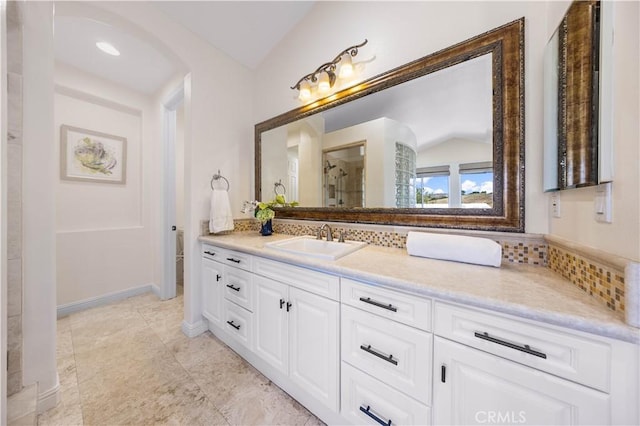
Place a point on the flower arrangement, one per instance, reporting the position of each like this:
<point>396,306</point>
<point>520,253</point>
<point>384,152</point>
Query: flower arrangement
<point>263,211</point>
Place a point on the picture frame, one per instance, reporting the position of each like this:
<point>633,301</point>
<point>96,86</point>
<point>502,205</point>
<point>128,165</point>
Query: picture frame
<point>90,156</point>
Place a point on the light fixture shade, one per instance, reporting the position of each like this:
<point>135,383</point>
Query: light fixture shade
<point>305,90</point>
<point>107,48</point>
<point>346,66</point>
<point>323,82</point>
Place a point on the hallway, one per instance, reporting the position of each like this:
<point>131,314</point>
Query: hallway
<point>129,363</point>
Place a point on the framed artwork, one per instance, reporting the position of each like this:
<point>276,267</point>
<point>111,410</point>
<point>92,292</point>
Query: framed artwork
<point>91,156</point>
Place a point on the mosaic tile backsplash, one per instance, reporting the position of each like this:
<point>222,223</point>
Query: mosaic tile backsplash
<point>606,284</point>
<point>532,253</point>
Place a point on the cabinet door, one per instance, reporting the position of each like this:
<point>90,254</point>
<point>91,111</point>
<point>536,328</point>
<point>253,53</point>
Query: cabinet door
<point>271,322</point>
<point>212,291</point>
<point>479,388</point>
<point>313,345</point>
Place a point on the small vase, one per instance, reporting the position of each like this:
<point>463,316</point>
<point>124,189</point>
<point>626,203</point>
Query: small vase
<point>266,228</point>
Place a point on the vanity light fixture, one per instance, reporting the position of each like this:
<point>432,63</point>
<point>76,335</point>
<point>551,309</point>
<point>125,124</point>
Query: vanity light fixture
<point>324,77</point>
<point>107,48</point>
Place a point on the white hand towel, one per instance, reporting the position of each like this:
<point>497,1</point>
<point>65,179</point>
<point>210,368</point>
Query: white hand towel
<point>220,218</point>
<point>458,248</point>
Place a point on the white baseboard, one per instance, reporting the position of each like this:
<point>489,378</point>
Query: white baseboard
<point>156,290</point>
<point>194,329</point>
<point>69,308</point>
<point>48,399</point>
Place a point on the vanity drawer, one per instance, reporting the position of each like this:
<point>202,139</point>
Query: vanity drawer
<point>410,310</point>
<point>362,393</point>
<point>315,282</point>
<point>238,287</point>
<point>236,259</point>
<point>564,354</point>
<point>213,253</point>
<point>237,322</point>
<point>394,353</point>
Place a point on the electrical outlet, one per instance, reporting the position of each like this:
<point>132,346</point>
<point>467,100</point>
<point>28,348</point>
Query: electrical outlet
<point>555,204</point>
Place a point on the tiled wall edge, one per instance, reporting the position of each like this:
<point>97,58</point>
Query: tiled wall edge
<point>604,276</point>
<point>602,257</point>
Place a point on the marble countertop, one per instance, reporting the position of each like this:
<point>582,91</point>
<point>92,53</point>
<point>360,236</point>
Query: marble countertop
<point>532,292</point>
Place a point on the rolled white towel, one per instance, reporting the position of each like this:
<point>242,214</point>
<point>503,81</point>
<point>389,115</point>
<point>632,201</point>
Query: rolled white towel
<point>480,251</point>
<point>221,218</point>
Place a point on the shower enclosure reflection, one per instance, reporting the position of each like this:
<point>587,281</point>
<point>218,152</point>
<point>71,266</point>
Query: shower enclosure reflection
<point>343,176</point>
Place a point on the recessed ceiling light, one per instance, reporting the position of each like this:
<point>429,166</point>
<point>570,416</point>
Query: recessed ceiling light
<point>108,48</point>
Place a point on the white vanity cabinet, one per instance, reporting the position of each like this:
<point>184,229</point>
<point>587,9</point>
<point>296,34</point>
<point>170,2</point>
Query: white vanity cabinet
<point>473,387</point>
<point>212,288</point>
<point>227,292</point>
<point>297,332</point>
<point>283,319</point>
<point>362,353</point>
<point>493,368</point>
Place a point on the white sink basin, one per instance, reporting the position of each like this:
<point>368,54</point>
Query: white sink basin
<point>310,246</point>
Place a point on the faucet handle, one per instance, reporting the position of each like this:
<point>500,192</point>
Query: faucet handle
<point>319,233</point>
<point>343,234</point>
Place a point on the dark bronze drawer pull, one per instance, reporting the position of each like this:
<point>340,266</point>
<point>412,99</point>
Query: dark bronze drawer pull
<point>233,288</point>
<point>369,413</point>
<point>237,327</point>
<point>525,348</point>
<point>389,307</point>
<point>210,253</point>
<point>231,259</point>
<point>378,354</point>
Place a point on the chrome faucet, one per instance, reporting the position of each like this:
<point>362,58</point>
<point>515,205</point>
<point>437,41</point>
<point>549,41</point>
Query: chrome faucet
<point>329,232</point>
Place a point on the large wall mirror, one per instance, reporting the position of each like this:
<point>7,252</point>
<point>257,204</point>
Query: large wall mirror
<point>437,142</point>
<point>578,97</point>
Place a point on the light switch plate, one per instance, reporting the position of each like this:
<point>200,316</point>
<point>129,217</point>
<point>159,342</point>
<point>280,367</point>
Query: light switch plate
<point>602,203</point>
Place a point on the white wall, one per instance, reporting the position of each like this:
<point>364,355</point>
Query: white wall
<point>310,155</point>
<point>415,30</point>
<point>622,237</point>
<point>104,231</point>
<point>179,154</point>
<point>218,133</point>
<point>455,152</point>
<point>38,205</point>
<point>275,159</point>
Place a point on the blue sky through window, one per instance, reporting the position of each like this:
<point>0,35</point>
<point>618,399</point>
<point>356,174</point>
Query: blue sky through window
<point>477,182</point>
<point>437,185</point>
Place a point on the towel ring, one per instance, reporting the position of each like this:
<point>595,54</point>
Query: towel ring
<point>218,176</point>
<point>277,185</point>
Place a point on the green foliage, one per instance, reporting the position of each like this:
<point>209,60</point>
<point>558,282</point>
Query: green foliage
<point>264,210</point>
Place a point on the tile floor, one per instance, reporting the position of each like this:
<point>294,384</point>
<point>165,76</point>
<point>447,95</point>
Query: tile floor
<point>129,363</point>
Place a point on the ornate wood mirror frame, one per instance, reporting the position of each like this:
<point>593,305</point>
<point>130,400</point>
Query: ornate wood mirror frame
<point>506,43</point>
<point>578,95</point>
